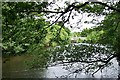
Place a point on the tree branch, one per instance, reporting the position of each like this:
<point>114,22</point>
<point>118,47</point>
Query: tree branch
<point>40,11</point>
<point>104,4</point>
<point>100,67</point>
<point>100,60</point>
<point>110,7</point>
<point>73,6</point>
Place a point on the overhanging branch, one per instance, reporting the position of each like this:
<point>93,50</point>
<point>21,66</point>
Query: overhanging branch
<point>104,4</point>
<point>67,9</point>
<point>110,7</point>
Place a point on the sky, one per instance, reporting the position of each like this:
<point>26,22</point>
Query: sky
<point>73,22</point>
<point>83,17</point>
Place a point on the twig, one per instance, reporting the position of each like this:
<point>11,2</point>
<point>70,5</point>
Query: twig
<point>100,67</point>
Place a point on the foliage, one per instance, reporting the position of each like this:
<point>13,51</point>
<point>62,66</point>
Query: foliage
<point>106,33</point>
<point>92,35</point>
<point>76,34</point>
<point>57,35</point>
<point>25,29</point>
<point>22,31</point>
<point>111,28</point>
<point>90,57</point>
<point>21,35</point>
<point>40,58</point>
<point>85,32</point>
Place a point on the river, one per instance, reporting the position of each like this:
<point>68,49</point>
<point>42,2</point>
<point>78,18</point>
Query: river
<point>14,67</point>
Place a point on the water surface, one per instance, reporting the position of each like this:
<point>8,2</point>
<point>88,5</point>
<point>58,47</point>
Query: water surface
<point>14,67</point>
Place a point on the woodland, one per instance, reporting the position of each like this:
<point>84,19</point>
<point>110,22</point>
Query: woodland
<point>44,31</point>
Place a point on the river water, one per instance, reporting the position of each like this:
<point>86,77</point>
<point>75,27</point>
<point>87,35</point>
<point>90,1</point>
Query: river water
<point>14,67</point>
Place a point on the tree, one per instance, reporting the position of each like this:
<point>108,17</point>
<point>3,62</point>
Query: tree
<point>110,26</point>
<point>23,30</point>
<point>93,35</point>
<point>108,35</point>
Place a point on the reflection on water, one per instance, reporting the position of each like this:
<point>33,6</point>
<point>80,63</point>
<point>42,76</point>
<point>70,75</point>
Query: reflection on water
<point>14,67</point>
<point>58,71</point>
